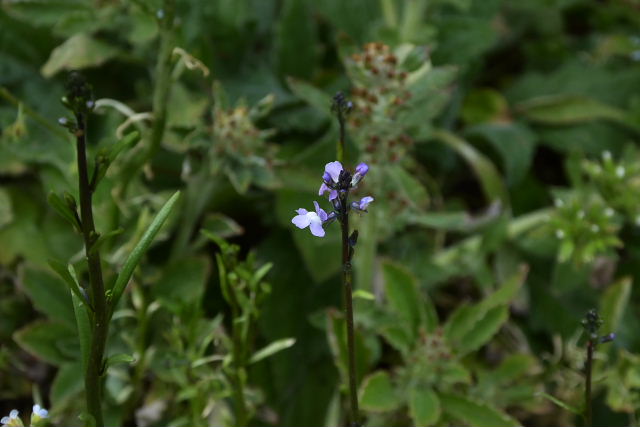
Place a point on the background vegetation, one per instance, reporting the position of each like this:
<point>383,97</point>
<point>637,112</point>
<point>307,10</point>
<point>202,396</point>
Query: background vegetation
<point>502,139</point>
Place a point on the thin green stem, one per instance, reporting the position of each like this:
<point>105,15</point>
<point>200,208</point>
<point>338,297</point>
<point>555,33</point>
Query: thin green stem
<point>340,146</point>
<point>100,325</point>
<point>54,129</point>
<point>587,390</point>
<point>347,277</point>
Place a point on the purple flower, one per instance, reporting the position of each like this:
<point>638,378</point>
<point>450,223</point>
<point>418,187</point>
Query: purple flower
<point>313,220</point>
<point>330,177</point>
<point>361,171</point>
<point>362,204</point>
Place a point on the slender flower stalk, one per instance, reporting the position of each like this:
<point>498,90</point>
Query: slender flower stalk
<point>79,100</point>
<point>338,182</point>
<point>591,324</point>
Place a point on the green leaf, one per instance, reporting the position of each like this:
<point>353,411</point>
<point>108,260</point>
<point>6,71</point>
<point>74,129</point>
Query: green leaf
<point>81,311</point>
<point>67,383</point>
<point>483,330</point>
<point>182,283</point>
<point>514,142</point>
<point>404,298</point>
<point>377,393</point>
<point>560,403</point>
<point>572,109</point>
<point>50,341</point>
<point>484,105</point>
<point>6,211</point>
<point>424,406</point>
<point>124,143</point>
<point>63,209</point>
<point>240,178</point>
<point>141,247</point>
<point>614,303</point>
<point>412,191</point>
<point>471,326</point>
<point>222,225</point>
<point>77,52</point>
<point>485,171</point>
<point>295,40</point>
<point>103,238</point>
<point>119,358</point>
<point>63,271</point>
<point>48,295</point>
<point>272,349</point>
<point>474,413</point>
<point>311,95</point>
<point>362,294</point>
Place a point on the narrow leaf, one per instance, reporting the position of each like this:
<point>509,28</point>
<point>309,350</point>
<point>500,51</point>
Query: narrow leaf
<point>120,358</point>
<point>490,180</point>
<point>474,413</point>
<point>140,248</point>
<point>272,349</point>
<point>560,403</point>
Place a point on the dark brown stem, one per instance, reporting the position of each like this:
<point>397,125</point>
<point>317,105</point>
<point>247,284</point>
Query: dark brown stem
<point>99,324</point>
<point>348,312</point>
<point>587,392</point>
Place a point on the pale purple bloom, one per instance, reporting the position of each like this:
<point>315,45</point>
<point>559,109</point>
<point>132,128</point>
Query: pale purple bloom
<point>313,220</point>
<point>333,169</point>
<point>330,177</point>
<point>363,203</point>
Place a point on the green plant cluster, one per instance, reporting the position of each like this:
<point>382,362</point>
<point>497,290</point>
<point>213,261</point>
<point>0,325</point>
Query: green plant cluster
<point>501,138</point>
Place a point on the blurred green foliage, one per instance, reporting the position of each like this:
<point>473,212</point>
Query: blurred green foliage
<point>501,137</point>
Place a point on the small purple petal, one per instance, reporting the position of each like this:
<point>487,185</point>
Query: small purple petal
<point>321,212</point>
<point>326,177</point>
<point>333,195</point>
<point>302,211</point>
<point>301,221</point>
<point>333,169</point>
<point>323,189</point>
<point>362,169</point>
<point>316,228</point>
<point>364,202</point>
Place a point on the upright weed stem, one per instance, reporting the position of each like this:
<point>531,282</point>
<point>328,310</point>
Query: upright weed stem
<point>587,390</point>
<point>341,107</point>
<point>347,280</point>
<point>99,324</point>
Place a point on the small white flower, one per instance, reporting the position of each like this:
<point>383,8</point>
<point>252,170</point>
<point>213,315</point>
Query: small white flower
<point>12,420</point>
<point>595,228</point>
<point>580,214</point>
<point>560,234</point>
<point>558,202</point>
<point>620,171</point>
<point>606,155</point>
<point>609,212</point>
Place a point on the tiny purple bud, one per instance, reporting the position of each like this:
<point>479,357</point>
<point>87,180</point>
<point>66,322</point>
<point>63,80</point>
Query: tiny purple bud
<point>361,171</point>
